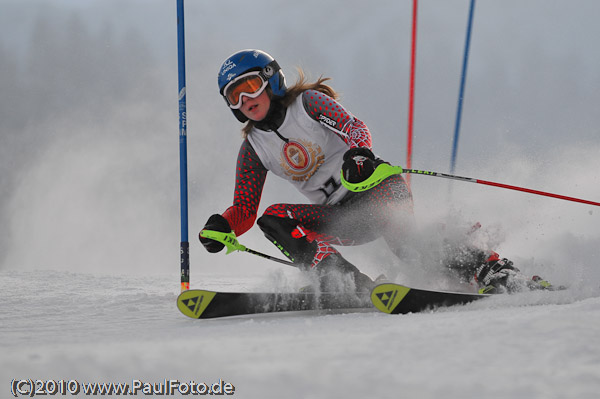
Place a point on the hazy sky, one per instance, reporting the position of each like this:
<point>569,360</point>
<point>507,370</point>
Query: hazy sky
<point>88,113</point>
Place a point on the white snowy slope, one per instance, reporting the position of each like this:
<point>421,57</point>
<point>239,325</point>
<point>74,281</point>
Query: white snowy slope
<point>116,328</point>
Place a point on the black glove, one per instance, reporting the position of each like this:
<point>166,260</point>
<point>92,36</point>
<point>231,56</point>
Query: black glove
<point>216,223</point>
<point>359,164</point>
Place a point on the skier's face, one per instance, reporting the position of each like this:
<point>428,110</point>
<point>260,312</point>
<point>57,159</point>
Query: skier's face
<point>256,109</point>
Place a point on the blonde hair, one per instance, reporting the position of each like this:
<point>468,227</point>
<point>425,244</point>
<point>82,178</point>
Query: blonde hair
<point>291,93</point>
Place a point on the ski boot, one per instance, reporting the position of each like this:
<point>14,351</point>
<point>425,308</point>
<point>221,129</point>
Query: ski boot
<point>493,276</point>
<point>500,275</point>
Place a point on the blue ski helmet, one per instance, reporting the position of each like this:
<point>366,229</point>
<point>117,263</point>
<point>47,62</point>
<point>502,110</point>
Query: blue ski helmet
<point>252,60</point>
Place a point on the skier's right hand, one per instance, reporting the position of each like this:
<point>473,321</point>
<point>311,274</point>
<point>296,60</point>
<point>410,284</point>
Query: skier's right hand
<point>216,223</point>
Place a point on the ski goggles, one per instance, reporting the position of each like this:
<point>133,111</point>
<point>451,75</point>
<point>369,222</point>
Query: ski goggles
<point>250,84</point>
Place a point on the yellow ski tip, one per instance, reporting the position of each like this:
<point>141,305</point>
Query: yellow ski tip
<point>193,303</point>
<point>386,297</point>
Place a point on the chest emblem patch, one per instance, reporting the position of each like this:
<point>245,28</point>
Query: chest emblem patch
<point>301,159</point>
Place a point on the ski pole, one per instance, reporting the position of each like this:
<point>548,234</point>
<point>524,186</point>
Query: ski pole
<point>490,183</point>
<point>384,171</point>
<point>232,244</point>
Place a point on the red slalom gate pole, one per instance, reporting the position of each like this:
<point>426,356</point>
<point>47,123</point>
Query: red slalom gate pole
<point>411,99</point>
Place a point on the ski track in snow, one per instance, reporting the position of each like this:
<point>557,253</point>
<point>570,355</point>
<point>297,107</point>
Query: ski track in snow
<point>117,328</point>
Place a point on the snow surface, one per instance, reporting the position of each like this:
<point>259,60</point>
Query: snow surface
<point>119,328</point>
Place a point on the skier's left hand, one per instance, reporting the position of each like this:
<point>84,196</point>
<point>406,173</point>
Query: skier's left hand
<point>359,164</point>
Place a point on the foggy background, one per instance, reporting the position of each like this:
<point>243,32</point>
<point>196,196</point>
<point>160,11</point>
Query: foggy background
<point>89,155</point>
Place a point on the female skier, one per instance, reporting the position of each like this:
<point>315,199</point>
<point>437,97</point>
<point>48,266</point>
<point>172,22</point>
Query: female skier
<point>303,135</point>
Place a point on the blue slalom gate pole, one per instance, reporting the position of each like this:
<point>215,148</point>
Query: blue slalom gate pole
<point>462,87</point>
<point>185,245</point>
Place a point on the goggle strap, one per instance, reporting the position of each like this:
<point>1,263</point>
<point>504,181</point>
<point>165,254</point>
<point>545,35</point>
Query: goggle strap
<point>269,70</point>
